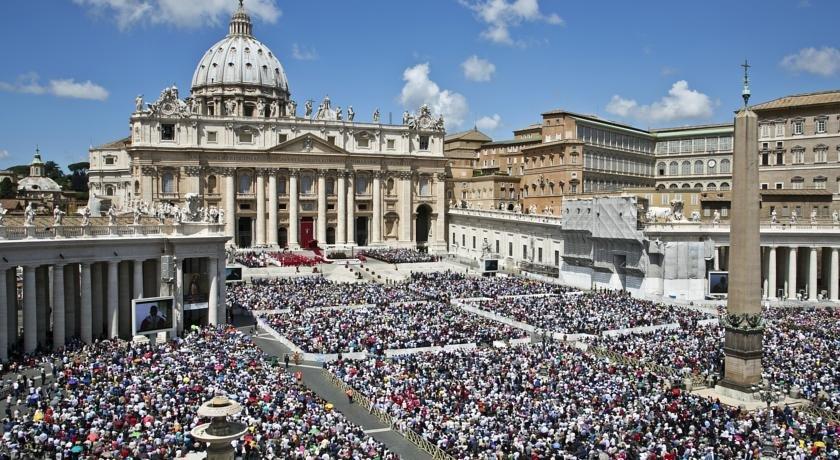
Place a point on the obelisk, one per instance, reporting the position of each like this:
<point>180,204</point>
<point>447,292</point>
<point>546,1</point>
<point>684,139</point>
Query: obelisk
<point>743,320</point>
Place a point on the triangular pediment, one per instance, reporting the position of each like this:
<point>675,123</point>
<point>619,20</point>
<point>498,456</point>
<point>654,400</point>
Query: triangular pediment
<point>308,144</point>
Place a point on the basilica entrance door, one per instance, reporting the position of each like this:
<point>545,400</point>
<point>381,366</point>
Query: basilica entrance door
<point>244,232</point>
<point>362,231</point>
<point>307,235</point>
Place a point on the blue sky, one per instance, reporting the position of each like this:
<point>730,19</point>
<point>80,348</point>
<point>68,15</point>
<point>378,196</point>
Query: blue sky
<point>72,68</point>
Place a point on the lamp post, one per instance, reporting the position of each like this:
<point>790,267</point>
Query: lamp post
<point>770,395</point>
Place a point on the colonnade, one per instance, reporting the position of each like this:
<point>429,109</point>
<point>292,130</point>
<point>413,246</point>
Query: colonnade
<point>794,272</point>
<point>337,208</point>
<point>52,305</point>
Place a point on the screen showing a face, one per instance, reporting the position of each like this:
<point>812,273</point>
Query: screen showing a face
<point>233,273</point>
<point>491,265</point>
<point>153,316</point>
<point>718,282</point>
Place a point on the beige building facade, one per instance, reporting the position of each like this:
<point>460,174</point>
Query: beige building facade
<point>282,175</point>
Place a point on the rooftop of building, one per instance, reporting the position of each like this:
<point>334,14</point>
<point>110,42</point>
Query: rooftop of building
<point>469,135</point>
<point>693,130</point>
<point>114,145</point>
<point>596,119</point>
<point>800,100</point>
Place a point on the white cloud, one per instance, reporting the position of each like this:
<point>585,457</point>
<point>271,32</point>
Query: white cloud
<point>478,69</point>
<point>302,53</point>
<point>824,61</point>
<point>180,13</point>
<point>29,84</point>
<point>667,71</point>
<point>681,102</point>
<point>486,123</point>
<point>419,89</point>
<point>4,154</point>
<point>502,15</point>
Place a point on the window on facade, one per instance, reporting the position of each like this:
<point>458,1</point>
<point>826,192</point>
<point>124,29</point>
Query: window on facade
<point>244,183</point>
<point>724,211</point>
<point>724,186</point>
<point>780,186</point>
<point>673,168</point>
<point>820,182</point>
<point>524,251</point>
<point>425,186</point>
<point>246,137</point>
<point>361,185</point>
<point>109,160</point>
<point>167,183</point>
<point>307,184</point>
<point>798,156</point>
<point>510,249</point>
<point>211,109</point>
<point>109,191</point>
<point>711,186</point>
<point>698,167</point>
<point>798,127</point>
<point>711,144</point>
<point>686,168</point>
<point>211,137</point>
<point>211,184</point>
<point>820,126</point>
<point>725,143</point>
<point>473,241</point>
<point>685,146</point>
<point>424,142</point>
<point>764,132</point>
<point>363,141</point>
<point>282,138</point>
<point>780,129</point>
<point>330,186</point>
<point>725,166</point>
<point>167,132</point>
<point>249,110</point>
<point>390,144</point>
<point>699,145</point>
<point>821,154</point>
<point>797,183</point>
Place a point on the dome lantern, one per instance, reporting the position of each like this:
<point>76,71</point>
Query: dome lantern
<point>240,23</point>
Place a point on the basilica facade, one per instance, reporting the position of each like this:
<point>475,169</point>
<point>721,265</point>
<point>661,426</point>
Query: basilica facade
<point>280,175</point>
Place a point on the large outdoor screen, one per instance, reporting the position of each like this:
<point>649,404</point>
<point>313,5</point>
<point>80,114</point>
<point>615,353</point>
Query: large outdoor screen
<point>718,283</point>
<point>152,315</point>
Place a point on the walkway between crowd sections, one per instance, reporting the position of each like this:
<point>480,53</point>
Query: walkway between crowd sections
<point>313,377</point>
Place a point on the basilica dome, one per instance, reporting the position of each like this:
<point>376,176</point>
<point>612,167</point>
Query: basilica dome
<point>239,59</point>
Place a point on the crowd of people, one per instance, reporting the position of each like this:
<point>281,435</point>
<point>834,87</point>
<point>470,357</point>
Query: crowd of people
<point>312,291</point>
<point>399,255</point>
<point>116,399</point>
<point>262,259</point>
<point>588,313</point>
<point>380,328</point>
<point>451,285</point>
<point>555,401</point>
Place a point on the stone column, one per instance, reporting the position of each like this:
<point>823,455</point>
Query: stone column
<point>30,321</point>
<point>743,342</point>
<point>440,208</point>
<point>230,205</point>
<point>341,209</point>
<point>812,275</point>
<point>179,296</point>
<point>791,274</point>
<point>376,224</point>
<point>213,300</point>
<point>272,209</point>
<point>771,273</point>
<point>124,300</point>
<point>96,299</point>
<point>70,291</point>
<point>322,208</point>
<point>113,312</point>
<point>59,333</point>
<point>351,208</point>
<point>85,329</point>
<point>716,265</point>
<point>294,220</point>
<point>405,206</point>
<point>4,320</point>
<point>42,287</point>
<point>137,283</point>
<point>834,274</point>
<point>12,305</point>
<point>260,209</point>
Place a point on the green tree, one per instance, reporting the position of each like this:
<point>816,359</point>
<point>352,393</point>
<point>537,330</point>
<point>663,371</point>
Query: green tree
<point>79,176</point>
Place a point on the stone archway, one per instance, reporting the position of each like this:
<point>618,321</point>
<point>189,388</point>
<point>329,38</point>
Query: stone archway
<point>423,223</point>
